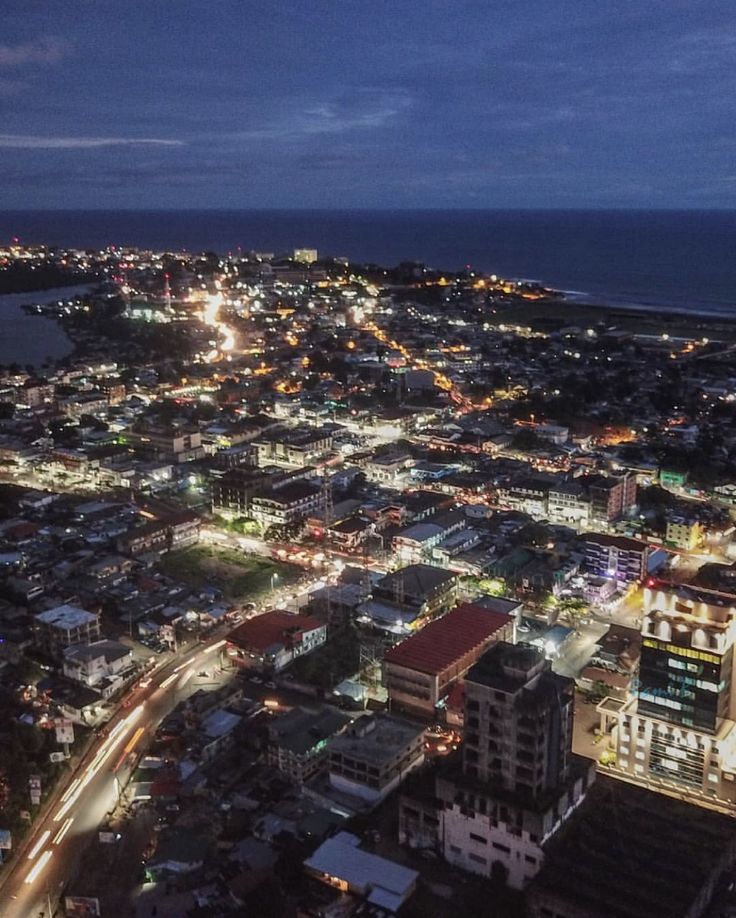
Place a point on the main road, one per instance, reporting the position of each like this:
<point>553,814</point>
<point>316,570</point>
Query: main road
<point>32,882</point>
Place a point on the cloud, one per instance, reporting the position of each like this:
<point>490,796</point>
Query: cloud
<point>31,142</point>
<point>365,110</point>
<point>48,50</point>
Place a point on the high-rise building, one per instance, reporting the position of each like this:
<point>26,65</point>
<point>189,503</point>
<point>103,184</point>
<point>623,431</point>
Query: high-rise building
<point>518,721</point>
<point>497,803</point>
<point>678,732</point>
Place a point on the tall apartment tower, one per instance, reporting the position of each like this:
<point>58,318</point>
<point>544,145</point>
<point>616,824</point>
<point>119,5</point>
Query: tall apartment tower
<point>678,732</point>
<point>518,722</point>
<point>504,796</point>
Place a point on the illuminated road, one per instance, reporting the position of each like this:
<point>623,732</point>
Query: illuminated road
<point>211,317</point>
<point>49,855</point>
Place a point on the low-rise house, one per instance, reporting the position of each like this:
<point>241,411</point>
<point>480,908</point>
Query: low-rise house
<point>298,741</point>
<point>349,534</point>
<point>568,504</point>
<point>98,662</point>
<point>341,863</point>
<point>683,533</point>
<point>64,626</point>
<point>269,642</point>
<point>287,505</point>
<point>387,467</point>
<point>177,530</point>
<point>175,444</point>
<point>402,600</point>
<point>218,732</point>
<point>293,447</point>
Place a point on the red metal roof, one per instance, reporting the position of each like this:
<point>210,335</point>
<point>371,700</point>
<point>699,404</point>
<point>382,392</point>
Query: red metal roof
<point>444,641</point>
<point>271,628</point>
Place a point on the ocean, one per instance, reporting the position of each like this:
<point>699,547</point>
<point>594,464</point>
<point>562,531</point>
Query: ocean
<point>682,261</point>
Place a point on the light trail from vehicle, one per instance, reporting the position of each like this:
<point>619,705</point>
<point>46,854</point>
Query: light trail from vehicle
<point>38,867</point>
<point>63,830</point>
<point>39,844</point>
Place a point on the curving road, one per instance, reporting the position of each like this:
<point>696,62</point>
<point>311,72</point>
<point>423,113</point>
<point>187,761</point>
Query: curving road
<point>31,884</point>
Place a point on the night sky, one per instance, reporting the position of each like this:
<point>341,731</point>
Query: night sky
<point>367,103</point>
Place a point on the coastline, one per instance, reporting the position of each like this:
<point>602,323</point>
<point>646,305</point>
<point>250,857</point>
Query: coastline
<point>578,297</point>
<point>647,322</point>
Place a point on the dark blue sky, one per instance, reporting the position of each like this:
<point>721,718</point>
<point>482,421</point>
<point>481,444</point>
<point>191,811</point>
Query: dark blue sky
<point>367,103</point>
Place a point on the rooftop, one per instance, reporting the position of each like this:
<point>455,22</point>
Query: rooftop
<point>66,617</point>
<point>445,640</point>
<point>385,883</point>
<point>421,532</point>
<point>271,628</point>
<point>300,730</point>
<point>289,493</point>
<point>517,668</point>
<point>417,579</point>
<point>110,650</point>
<point>609,859</point>
<point>614,541</point>
<point>376,738</point>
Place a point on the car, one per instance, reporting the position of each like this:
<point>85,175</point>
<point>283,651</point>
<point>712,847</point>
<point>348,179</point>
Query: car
<point>256,680</point>
<point>271,684</point>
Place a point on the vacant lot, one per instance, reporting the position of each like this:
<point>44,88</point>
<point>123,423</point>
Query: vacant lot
<point>239,576</point>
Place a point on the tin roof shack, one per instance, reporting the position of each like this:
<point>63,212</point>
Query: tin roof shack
<point>341,863</point>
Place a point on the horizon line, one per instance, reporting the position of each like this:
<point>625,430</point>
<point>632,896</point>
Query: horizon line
<point>371,210</point>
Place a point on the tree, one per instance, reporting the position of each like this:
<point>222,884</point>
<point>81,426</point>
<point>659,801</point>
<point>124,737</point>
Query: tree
<point>574,609</point>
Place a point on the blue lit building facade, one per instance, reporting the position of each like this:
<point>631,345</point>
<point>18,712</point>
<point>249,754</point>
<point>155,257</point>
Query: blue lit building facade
<point>678,731</point>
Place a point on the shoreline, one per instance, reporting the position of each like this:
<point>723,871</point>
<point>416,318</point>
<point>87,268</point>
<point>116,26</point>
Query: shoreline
<point>579,298</point>
<point>550,314</point>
